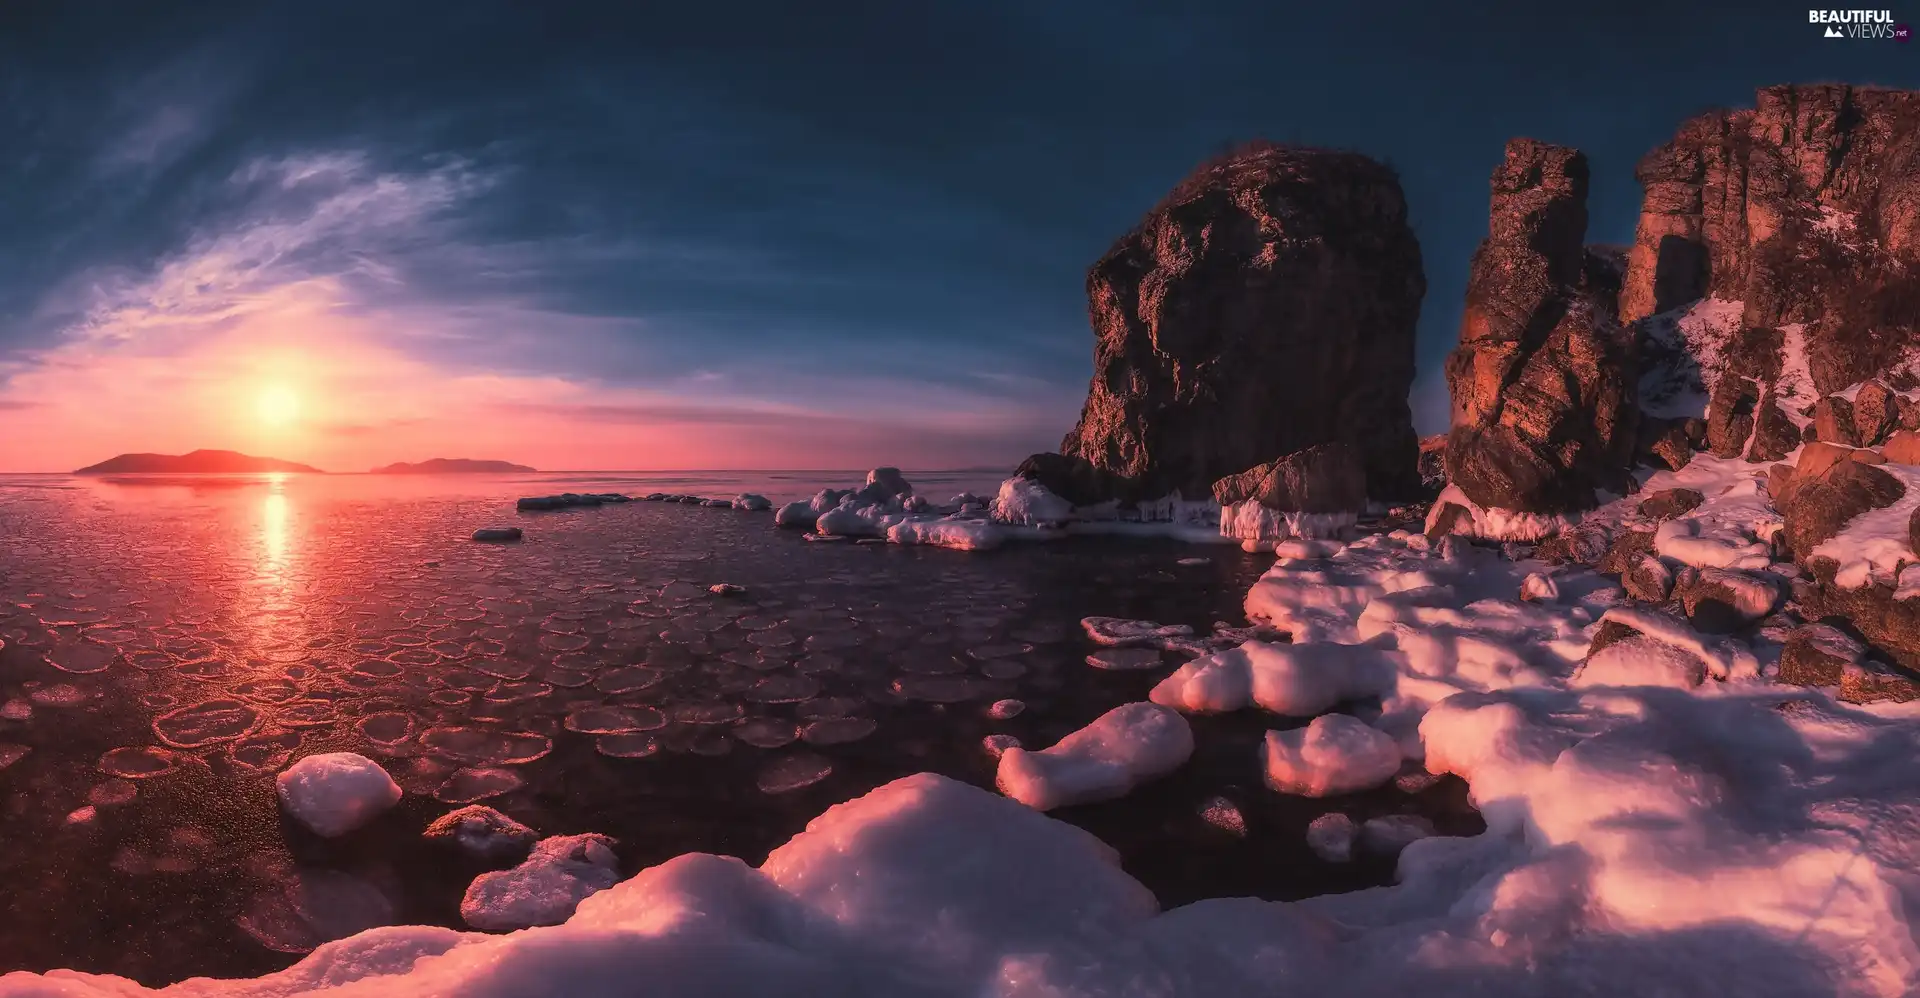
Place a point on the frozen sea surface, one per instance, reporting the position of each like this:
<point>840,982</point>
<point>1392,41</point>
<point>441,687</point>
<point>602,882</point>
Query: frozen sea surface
<point>168,645</point>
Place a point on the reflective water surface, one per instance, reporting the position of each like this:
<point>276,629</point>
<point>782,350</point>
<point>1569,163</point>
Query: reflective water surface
<point>167,645</point>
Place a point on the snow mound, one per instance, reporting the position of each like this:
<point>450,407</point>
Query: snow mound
<point>1122,748</point>
<point>1298,680</point>
<point>1028,503</point>
<point>960,534</point>
<point>336,792</point>
<point>545,888</point>
<point>1336,754</point>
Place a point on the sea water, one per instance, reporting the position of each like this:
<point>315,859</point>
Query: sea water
<point>168,644</point>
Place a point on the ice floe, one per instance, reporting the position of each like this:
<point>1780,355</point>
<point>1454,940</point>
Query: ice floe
<point>1122,748</point>
<point>545,888</point>
<point>336,792</point>
<point>1335,754</point>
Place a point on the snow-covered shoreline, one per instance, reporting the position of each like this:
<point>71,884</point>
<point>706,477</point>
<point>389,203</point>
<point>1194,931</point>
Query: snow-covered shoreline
<point>1653,826</point>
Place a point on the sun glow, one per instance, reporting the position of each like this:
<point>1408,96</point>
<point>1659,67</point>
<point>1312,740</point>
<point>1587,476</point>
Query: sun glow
<point>277,405</point>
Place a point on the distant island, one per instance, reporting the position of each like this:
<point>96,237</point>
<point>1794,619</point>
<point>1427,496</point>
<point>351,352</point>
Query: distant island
<point>200,462</point>
<point>452,466</point>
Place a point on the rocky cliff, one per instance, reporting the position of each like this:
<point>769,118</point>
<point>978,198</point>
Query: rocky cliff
<point>1777,260</point>
<point>1543,382</point>
<point>1267,305</point>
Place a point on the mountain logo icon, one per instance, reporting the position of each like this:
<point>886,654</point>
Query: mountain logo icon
<point>1833,32</point>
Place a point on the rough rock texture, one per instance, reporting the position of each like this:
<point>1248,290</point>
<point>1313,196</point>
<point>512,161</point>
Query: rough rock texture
<point>1872,682</point>
<point>1892,626</point>
<point>1774,435</point>
<point>1833,422</point>
<point>1543,379</point>
<point>1874,413</point>
<point>1433,462</point>
<point>1267,305</point>
<point>1805,209</point>
<point>1816,507</point>
<point>1903,447</point>
<point>1649,580</point>
<point>1817,655</point>
<point>1324,479</point>
<point>1626,550</point>
<point>1664,443</point>
<point>1669,503</point>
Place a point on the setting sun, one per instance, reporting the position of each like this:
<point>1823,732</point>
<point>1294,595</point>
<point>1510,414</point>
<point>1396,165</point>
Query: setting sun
<point>278,405</point>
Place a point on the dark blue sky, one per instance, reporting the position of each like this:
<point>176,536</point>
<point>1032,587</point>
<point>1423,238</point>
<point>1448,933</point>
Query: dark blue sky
<point>839,208</point>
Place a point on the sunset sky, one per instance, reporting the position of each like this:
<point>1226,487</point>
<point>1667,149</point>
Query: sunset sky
<point>747,235</point>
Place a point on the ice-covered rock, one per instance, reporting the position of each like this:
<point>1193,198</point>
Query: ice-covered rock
<point>483,833</point>
<point>336,792</point>
<point>1390,835</point>
<point>726,589</point>
<point>1335,754</point>
<point>752,502</point>
<point>960,533</point>
<point>1026,502</point>
<point>1122,748</point>
<point>796,516</point>
<point>545,888</point>
<point>849,521</point>
<point>1311,493</point>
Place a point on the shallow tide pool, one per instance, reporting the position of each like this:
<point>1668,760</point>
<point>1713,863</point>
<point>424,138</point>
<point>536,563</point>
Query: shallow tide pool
<point>168,645</point>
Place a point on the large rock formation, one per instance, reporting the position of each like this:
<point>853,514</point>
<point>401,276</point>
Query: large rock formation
<point>1799,223</point>
<point>1543,379</point>
<point>1267,305</point>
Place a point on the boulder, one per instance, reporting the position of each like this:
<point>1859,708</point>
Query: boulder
<point>1903,447</point>
<point>1327,478</point>
<point>1723,600</point>
<point>1817,507</point>
<point>1625,551</point>
<point>1669,503</point>
<point>1909,409</point>
<point>1774,434</point>
<point>1817,655</point>
<point>1543,379</point>
<point>1648,580</point>
<point>1268,304</point>
<point>1874,682</point>
<point>1665,442</point>
<point>1833,422</point>
<point>1730,416</point>
<point>1874,413</point>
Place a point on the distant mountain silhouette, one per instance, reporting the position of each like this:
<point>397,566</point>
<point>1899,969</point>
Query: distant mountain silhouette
<point>200,462</point>
<point>452,466</point>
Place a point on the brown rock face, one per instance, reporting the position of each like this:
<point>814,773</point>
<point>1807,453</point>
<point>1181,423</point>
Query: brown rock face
<point>1874,413</point>
<point>1817,655</point>
<point>1669,503</point>
<point>1833,422</point>
<point>1807,210</point>
<point>1543,379</point>
<point>1816,508</point>
<point>1267,305</point>
<point>1324,479</point>
<point>1903,447</point>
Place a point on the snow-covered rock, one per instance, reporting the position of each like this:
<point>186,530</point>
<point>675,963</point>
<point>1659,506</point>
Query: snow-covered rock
<point>1335,754</point>
<point>1299,680</point>
<point>336,792</point>
<point>545,888</point>
<point>752,502</point>
<point>1122,748</point>
<point>483,833</point>
<point>1026,502</point>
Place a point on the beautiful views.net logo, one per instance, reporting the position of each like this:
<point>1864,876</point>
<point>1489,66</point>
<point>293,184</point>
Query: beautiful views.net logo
<point>1865,24</point>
